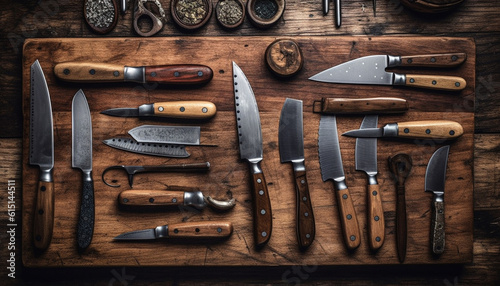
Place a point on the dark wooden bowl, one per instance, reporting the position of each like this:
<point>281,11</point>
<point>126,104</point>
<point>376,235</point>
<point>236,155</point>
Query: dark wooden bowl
<point>264,23</point>
<point>187,26</point>
<point>235,25</point>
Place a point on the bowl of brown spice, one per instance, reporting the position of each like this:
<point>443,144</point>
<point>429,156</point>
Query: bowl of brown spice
<point>230,13</point>
<point>265,13</point>
<point>191,14</point>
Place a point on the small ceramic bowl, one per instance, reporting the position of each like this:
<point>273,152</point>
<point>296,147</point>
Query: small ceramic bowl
<point>265,13</point>
<point>225,17</point>
<point>182,12</point>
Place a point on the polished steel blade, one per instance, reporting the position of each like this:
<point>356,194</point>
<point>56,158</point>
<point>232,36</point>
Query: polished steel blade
<point>82,133</point>
<point>435,175</point>
<point>41,125</point>
<point>247,117</point>
<point>146,234</point>
<point>330,159</point>
<point>185,135</point>
<point>365,133</point>
<point>122,112</point>
<point>366,148</point>
<point>291,133</point>
<point>164,150</point>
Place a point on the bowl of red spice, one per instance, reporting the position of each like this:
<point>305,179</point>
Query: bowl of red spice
<point>191,14</point>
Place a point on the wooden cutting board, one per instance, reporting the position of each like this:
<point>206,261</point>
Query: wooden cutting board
<point>229,176</point>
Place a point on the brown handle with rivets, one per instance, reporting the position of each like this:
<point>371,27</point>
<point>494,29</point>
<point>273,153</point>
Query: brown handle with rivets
<point>142,198</point>
<point>263,218</point>
<point>89,72</point>
<point>437,227</point>
<point>201,229</point>
<point>348,219</point>
<point>185,109</point>
<point>43,221</point>
<point>179,74</point>
<point>376,221</point>
<point>434,60</point>
<point>306,228</point>
<point>442,82</point>
<point>431,129</point>
<point>374,105</point>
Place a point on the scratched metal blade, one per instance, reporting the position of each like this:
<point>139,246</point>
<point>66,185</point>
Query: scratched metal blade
<point>290,133</point>
<point>81,133</point>
<point>330,159</point>
<point>185,135</point>
<point>146,234</point>
<point>122,112</point>
<point>435,175</point>
<point>154,149</point>
<point>366,148</point>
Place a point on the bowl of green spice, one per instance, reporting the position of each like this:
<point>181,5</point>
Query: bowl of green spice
<point>230,13</point>
<point>265,13</point>
<point>191,14</point>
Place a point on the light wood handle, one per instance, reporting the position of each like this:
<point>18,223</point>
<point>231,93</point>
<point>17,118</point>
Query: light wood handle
<point>375,105</point>
<point>450,83</point>
<point>348,219</point>
<point>263,218</point>
<point>431,129</point>
<point>306,228</point>
<point>202,229</point>
<point>437,228</point>
<point>142,198</point>
<point>89,72</point>
<point>376,221</point>
<point>179,74</point>
<point>44,215</point>
<point>435,60</point>
<point>185,109</point>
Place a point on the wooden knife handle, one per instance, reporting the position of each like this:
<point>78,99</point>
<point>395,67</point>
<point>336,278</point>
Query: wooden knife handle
<point>263,218</point>
<point>431,129</point>
<point>435,60</point>
<point>375,105</point>
<point>85,229</point>
<point>306,228</point>
<point>450,83</point>
<point>44,215</point>
<point>202,229</point>
<point>141,198</point>
<point>348,219</point>
<point>185,109</point>
<point>376,221</point>
<point>89,72</point>
<point>179,74</point>
<point>401,228</point>
<point>437,227</point>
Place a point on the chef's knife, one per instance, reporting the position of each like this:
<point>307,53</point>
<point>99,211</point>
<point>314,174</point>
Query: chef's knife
<point>366,161</point>
<point>194,230</point>
<point>185,135</point>
<point>82,159</point>
<point>104,72</point>
<point>376,105</point>
<point>250,143</point>
<point>332,169</point>
<point>291,144</point>
<point>153,149</point>
<point>435,177</point>
<point>372,70</point>
<point>42,155</point>
<point>171,109</point>
<point>426,129</point>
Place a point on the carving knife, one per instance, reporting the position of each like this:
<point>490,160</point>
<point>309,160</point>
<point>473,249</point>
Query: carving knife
<point>82,159</point>
<point>172,109</point>
<point>330,161</point>
<point>291,144</point>
<point>366,161</point>
<point>250,143</point>
<point>435,177</point>
<point>426,129</point>
<point>104,72</point>
<point>374,105</point>
<point>372,70</point>
<point>42,155</point>
<point>194,230</point>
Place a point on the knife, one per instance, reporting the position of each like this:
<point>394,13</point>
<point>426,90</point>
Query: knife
<point>435,177</point>
<point>185,135</point>
<point>330,161</point>
<point>172,109</point>
<point>291,144</point>
<point>153,149</point>
<point>366,161</point>
<point>42,155</point>
<point>426,129</point>
<point>374,105</point>
<point>195,230</point>
<point>82,159</point>
<point>371,70</point>
<point>250,143</point>
<point>104,72</point>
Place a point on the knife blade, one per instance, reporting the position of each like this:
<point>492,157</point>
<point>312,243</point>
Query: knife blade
<point>171,109</point>
<point>291,146</point>
<point>372,70</point>
<point>425,129</point>
<point>82,159</point>
<point>435,177</point>
<point>330,161</point>
<point>104,72</point>
<point>196,230</point>
<point>374,105</point>
<point>366,161</point>
<point>153,149</point>
<point>184,135</point>
<point>250,143</point>
<point>42,155</point>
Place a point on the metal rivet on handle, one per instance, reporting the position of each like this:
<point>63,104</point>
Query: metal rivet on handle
<point>452,132</point>
<point>92,71</point>
<point>353,237</point>
<point>427,131</point>
<point>261,192</point>
<point>160,109</point>
<point>200,73</point>
<point>377,239</point>
<point>182,109</point>
<point>433,59</point>
<point>434,82</point>
<point>259,181</point>
<point>177,74</point>
<point>377,218</point>
<point>204,110</point>
<point>262,212</point>
<point>151,200</point>
<point>153,74</point>
<point>116,73</point>
<point>264,234</point>
<point>406,130</point>
<point>457,84</point>
<point>344,196</point>
<point>349,216</point>
<point>66,71</point>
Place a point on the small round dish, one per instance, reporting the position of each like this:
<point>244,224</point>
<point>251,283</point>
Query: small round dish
<point>191,14</point>
<point>265,13</point>
<point>101,16</point>
<point>284,58</point>
<point>230,13</point>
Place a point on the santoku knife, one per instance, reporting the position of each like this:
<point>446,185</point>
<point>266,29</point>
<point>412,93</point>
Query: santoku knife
<point>372,70</point>
<point>104,72</point>
<point>42,155</point>
<point>171,109</point>
<point>376,105</point>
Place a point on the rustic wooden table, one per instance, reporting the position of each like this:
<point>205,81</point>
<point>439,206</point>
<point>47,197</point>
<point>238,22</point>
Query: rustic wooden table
<point>64,19</point>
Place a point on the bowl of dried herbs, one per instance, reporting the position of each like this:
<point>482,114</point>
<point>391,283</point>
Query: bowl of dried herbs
<point>230,13</point>
<point>191,14</point>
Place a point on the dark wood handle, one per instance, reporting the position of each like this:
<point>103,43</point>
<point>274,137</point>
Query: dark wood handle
<point>179,74</point>
<point>431,129</point>
<point>263,218</point>
<point>141,198</point>
<point>361,105</point>
<point>44,215</point>
<point>376,221</point>
<point>401,228</point>
<point>450,83</point>
<point>202,229</point>
<point>436,60</point>
<point>306,228</point>
<point>437,227</point>
<point>85,229</point>
<point>348,219</point>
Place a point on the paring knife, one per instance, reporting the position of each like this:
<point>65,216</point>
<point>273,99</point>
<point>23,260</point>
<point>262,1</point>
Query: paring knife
<point>435,177</point>
<point>153,149</point>
<point>366,161</point>
<point>171,109</point>
<point>82,159</point>
<point>184,135</point>
<point>42,155</point>
<point>372,70</point>
<point>194,230</point>
<point>426,129</point>
<point>250,143</point>
<point>376,105</point>
<point>330,161</point>
<point>103,72</point>
<point>291,145</point>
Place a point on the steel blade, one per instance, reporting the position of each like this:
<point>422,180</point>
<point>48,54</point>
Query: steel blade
<point>154,149</point>
<point>122,112</point>
<point>146,234</point>
<point>365,133</point>
<point>185,135</point>
<point>247,115</point>
<point>366,148</point>
<point>81,133</point>
<point>330,159</point>
<point>435,175</point>
<point>291,133</point>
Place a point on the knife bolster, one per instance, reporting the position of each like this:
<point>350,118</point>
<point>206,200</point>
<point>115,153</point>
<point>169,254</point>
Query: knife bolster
<point>393,61</point>
<point>134,74</point>
<point>194,199</point>
<point>46,175</point>
<point>339,184</point>
<point>161,231</point>
<point>390,130</point>
<point>399,79</point>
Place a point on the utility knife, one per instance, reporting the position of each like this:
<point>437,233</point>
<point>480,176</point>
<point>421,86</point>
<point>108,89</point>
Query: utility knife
<point>171,109</point>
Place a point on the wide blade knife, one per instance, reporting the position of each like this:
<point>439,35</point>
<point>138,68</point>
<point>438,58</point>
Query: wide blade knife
<point>185,135</point>
<point>250,142</point>
<point>366,161</point>
<point>82,159</point>
<point>375,105</point>
<point>104,72</point>
<point>42,155</point>
<point>194,230</point>
<point>156,149</point>
<point>291,145</point>
<point>435,177</point>
<point>372,70</point>
<point>171,109</point>
<point>330,161</point>
<point>425,129</point>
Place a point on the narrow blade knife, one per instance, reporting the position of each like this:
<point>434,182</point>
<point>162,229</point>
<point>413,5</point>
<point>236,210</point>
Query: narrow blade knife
<point>372,70</point>
<point>435,177</point>
<point>171,109</point>
<point>42,155</point>
<point>330,161</point>
<point>153,149</point>
<point>185,135</point>
<point>82,159</point>
<point>250,142</point>
<point>162,74</point>
<point>291,145</point>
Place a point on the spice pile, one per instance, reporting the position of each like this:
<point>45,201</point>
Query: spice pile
<point>229,12</point>
<point>191,12</point>
<point>266,9</point>
<point>100,13</point>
